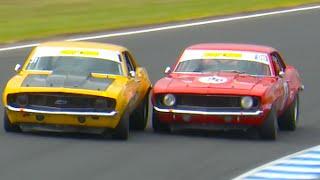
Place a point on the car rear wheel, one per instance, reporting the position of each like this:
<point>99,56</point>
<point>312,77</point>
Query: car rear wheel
<point>121,132</point>
<point>139,118</point>
<point>289,119</point>
<point>269,129</point>
<point>158,126</point>
<point>8,126</point>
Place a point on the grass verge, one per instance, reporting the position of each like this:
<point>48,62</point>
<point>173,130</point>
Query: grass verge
<point>25,20</point>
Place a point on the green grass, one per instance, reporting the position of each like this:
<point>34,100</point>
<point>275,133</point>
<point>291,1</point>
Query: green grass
<point>34,19</point>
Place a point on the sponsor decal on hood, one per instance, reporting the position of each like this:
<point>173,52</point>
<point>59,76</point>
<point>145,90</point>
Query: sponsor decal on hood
<point>213,79</point>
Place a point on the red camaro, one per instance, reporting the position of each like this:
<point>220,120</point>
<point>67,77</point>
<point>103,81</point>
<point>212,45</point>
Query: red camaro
<point>228,86</point>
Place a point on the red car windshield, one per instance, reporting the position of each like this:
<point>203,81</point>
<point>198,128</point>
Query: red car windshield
<point>217,65</point>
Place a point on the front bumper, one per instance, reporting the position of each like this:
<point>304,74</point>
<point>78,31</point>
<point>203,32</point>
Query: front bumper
<point>218,113</point>
<point>211,118</point>
<point>113,113</point>
<point>20,116</point>
<point>61,128</point>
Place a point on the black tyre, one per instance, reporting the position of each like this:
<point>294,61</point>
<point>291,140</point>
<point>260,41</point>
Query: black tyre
<point>288,121</point>
<point>121,132</point>
<point>8,126</point>
<point>269,129</point>
<point>158,126</point>
<point>139,118</point>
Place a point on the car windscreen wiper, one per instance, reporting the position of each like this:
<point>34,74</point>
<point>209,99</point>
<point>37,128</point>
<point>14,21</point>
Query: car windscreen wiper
<point>233,71</point>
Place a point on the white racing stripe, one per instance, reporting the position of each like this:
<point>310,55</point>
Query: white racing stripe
<point>163,28</point>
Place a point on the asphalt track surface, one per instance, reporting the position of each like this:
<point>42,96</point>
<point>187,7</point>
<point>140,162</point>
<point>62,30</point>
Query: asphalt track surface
<point>194,155</point>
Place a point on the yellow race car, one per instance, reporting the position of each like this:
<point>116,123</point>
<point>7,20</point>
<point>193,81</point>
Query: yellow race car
<point>78,87</point>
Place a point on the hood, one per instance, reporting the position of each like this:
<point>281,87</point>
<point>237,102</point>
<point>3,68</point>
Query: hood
<point>61,80</point>
<point>222,82</point>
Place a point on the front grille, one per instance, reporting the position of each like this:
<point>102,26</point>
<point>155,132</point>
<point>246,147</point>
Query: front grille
<point>64,101</point>
<point>184,101</point>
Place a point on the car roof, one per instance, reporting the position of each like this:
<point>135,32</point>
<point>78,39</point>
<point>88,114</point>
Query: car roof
<point>232,46</point>
<point>83,44</point>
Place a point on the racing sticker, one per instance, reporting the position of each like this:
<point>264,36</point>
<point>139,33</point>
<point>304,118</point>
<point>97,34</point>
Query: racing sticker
<point>213,79</point>
<point>81,52</point>
<point>224,54</point>
<point>78,52</point>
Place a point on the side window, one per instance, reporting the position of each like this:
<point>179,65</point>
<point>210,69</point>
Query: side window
<point>275,64</point>
<point>278,63</point>
<point>129,62</point>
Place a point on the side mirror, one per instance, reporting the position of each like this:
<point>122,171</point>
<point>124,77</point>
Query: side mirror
<point>167,70</point>
<point>17,68</point>
<point>140,71</point>
<point>132,74</point>
<point>281,74</point>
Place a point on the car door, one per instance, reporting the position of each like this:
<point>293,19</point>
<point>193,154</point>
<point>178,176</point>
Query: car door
<point>282,80</point>
<point>142,77</point>
<point>134,80</point>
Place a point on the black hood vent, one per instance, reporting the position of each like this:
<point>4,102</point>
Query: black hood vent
<point>75,81</point>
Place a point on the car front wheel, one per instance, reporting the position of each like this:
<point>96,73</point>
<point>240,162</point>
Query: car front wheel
<point>269,129</point>
<point>121,132</point>
<point>8,126</point>
<point>139,117</point>
<point>158,126</point>
<point>289,119</point>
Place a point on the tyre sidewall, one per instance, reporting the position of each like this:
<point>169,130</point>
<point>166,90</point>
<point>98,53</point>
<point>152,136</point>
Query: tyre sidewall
<point>121,132</point>
<point>269,129</point>
<point>7,125</point>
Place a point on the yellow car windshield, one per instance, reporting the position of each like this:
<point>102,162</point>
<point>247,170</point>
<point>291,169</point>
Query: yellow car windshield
<point>75,65</point>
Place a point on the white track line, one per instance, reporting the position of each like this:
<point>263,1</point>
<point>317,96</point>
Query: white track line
<point>294,169</point>
<point>18,47</point>
<point>283,159</point>
<point>300,162</point>
<point>309,155</point>
<point>284,176</point>
<point>198,23</point>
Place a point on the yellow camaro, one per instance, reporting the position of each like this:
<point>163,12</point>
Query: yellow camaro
<point>78,87</point>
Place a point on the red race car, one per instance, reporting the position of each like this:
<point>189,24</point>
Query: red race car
<point>228,86</point>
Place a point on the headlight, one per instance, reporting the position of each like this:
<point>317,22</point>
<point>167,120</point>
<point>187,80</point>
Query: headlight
<point>101,104</point>
<point>246,102</point>
<point>169,100</point>
<point>22,100</point>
